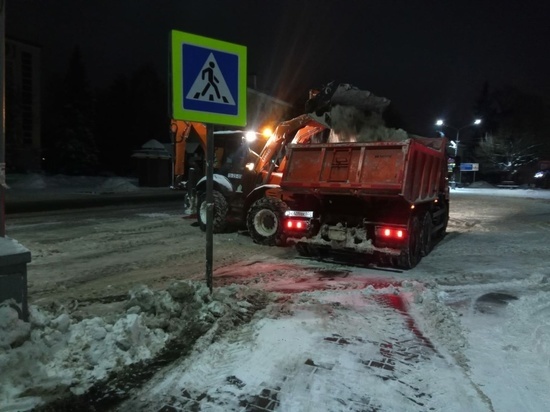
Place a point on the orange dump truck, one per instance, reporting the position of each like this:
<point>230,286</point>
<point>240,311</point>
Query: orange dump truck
<point>388,200</point>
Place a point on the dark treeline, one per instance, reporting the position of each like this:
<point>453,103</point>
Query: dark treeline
<point>513,136</point>
<point>89,131</point>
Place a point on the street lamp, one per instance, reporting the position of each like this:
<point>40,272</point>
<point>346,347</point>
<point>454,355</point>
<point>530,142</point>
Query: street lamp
<point>441,122</point>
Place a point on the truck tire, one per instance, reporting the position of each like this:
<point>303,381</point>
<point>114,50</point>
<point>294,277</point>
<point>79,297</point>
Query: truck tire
<point>413,252</point>
<point>264,221</point>
<point>302,249</point>
<point>426,234</point>
<point>220,212</point>
<point>445,221</point>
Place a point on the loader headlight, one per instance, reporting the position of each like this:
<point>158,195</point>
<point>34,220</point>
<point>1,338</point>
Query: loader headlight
<point>250,136</point>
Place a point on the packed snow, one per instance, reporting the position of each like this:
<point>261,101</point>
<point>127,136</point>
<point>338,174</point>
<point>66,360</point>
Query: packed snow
<point>10,246</point>
<point>468,329</point>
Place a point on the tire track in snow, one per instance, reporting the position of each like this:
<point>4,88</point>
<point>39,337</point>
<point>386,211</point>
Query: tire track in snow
<point>338,351</point>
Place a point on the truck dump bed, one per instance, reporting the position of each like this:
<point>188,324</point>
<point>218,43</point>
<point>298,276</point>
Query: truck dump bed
<point>413,169</point>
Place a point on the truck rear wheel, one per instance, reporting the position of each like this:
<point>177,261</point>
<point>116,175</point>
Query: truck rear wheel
<point>265,221</point>
<point>426,236</point>
<point>220,212</point>
<point>413,253</point>
<point>445,221</point>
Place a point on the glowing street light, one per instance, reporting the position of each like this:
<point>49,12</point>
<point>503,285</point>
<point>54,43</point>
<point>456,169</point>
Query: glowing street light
<point>456,143</point>
<point>441,122</point>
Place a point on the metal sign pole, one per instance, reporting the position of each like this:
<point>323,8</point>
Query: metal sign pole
<point>2,122</point>
<point>209,203</point>
<point>201,65</point>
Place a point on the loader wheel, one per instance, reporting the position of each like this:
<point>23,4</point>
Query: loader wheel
<point>220,212</point>
<point>412,255</point>
<point>265,221</point>
<point>426,234</point>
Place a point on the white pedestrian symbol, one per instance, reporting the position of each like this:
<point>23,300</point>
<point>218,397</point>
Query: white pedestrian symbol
<point>210,85</point>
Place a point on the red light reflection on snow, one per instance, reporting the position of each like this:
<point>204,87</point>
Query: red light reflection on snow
<point>398,303</point>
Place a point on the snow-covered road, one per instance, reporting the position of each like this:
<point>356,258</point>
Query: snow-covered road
<point>467,330</point>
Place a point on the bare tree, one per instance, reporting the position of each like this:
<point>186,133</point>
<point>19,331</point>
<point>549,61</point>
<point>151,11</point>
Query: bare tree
<point>507,151</point>
<point>514,132</point>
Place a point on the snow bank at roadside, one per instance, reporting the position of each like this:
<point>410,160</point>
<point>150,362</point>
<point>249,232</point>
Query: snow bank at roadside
<point>481,184</point>
<point>57,352</point>
<point>503,192</point>
<point>116,185</point>
<point>94,184</point>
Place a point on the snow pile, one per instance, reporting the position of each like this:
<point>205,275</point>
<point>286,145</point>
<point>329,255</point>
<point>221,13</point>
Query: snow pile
<point>481,184</point>
<point>350,124</point>
<point>440,321</point>
<point>116,185</point>
<point>96,184</point>
<point>57,352</point>
<point>14,329</point>
<point>31,181</point>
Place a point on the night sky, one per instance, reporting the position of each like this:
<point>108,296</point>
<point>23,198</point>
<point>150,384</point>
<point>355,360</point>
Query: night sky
<point>430,58</point>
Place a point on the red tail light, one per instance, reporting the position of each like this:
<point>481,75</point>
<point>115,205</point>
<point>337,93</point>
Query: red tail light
<point>296,224</point>
<point>391,233</point>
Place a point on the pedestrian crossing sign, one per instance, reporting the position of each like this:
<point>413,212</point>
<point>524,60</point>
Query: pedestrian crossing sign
<point>208,80</point>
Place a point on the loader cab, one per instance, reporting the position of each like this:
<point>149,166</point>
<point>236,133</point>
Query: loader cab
<point>227,150</point>
<point>237,153</point>
<point>228,146</point>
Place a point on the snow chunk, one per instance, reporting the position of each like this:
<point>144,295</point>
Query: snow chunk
<point>12,329</point>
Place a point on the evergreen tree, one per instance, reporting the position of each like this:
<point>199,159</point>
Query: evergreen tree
<point>148,104</point>
<point>132,111</point>
<point>73,145</point>
<point>114,117</point>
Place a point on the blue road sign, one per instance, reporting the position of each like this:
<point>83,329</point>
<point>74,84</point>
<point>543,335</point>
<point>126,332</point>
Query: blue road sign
<point>208,80</point>
<point>469,167</point>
